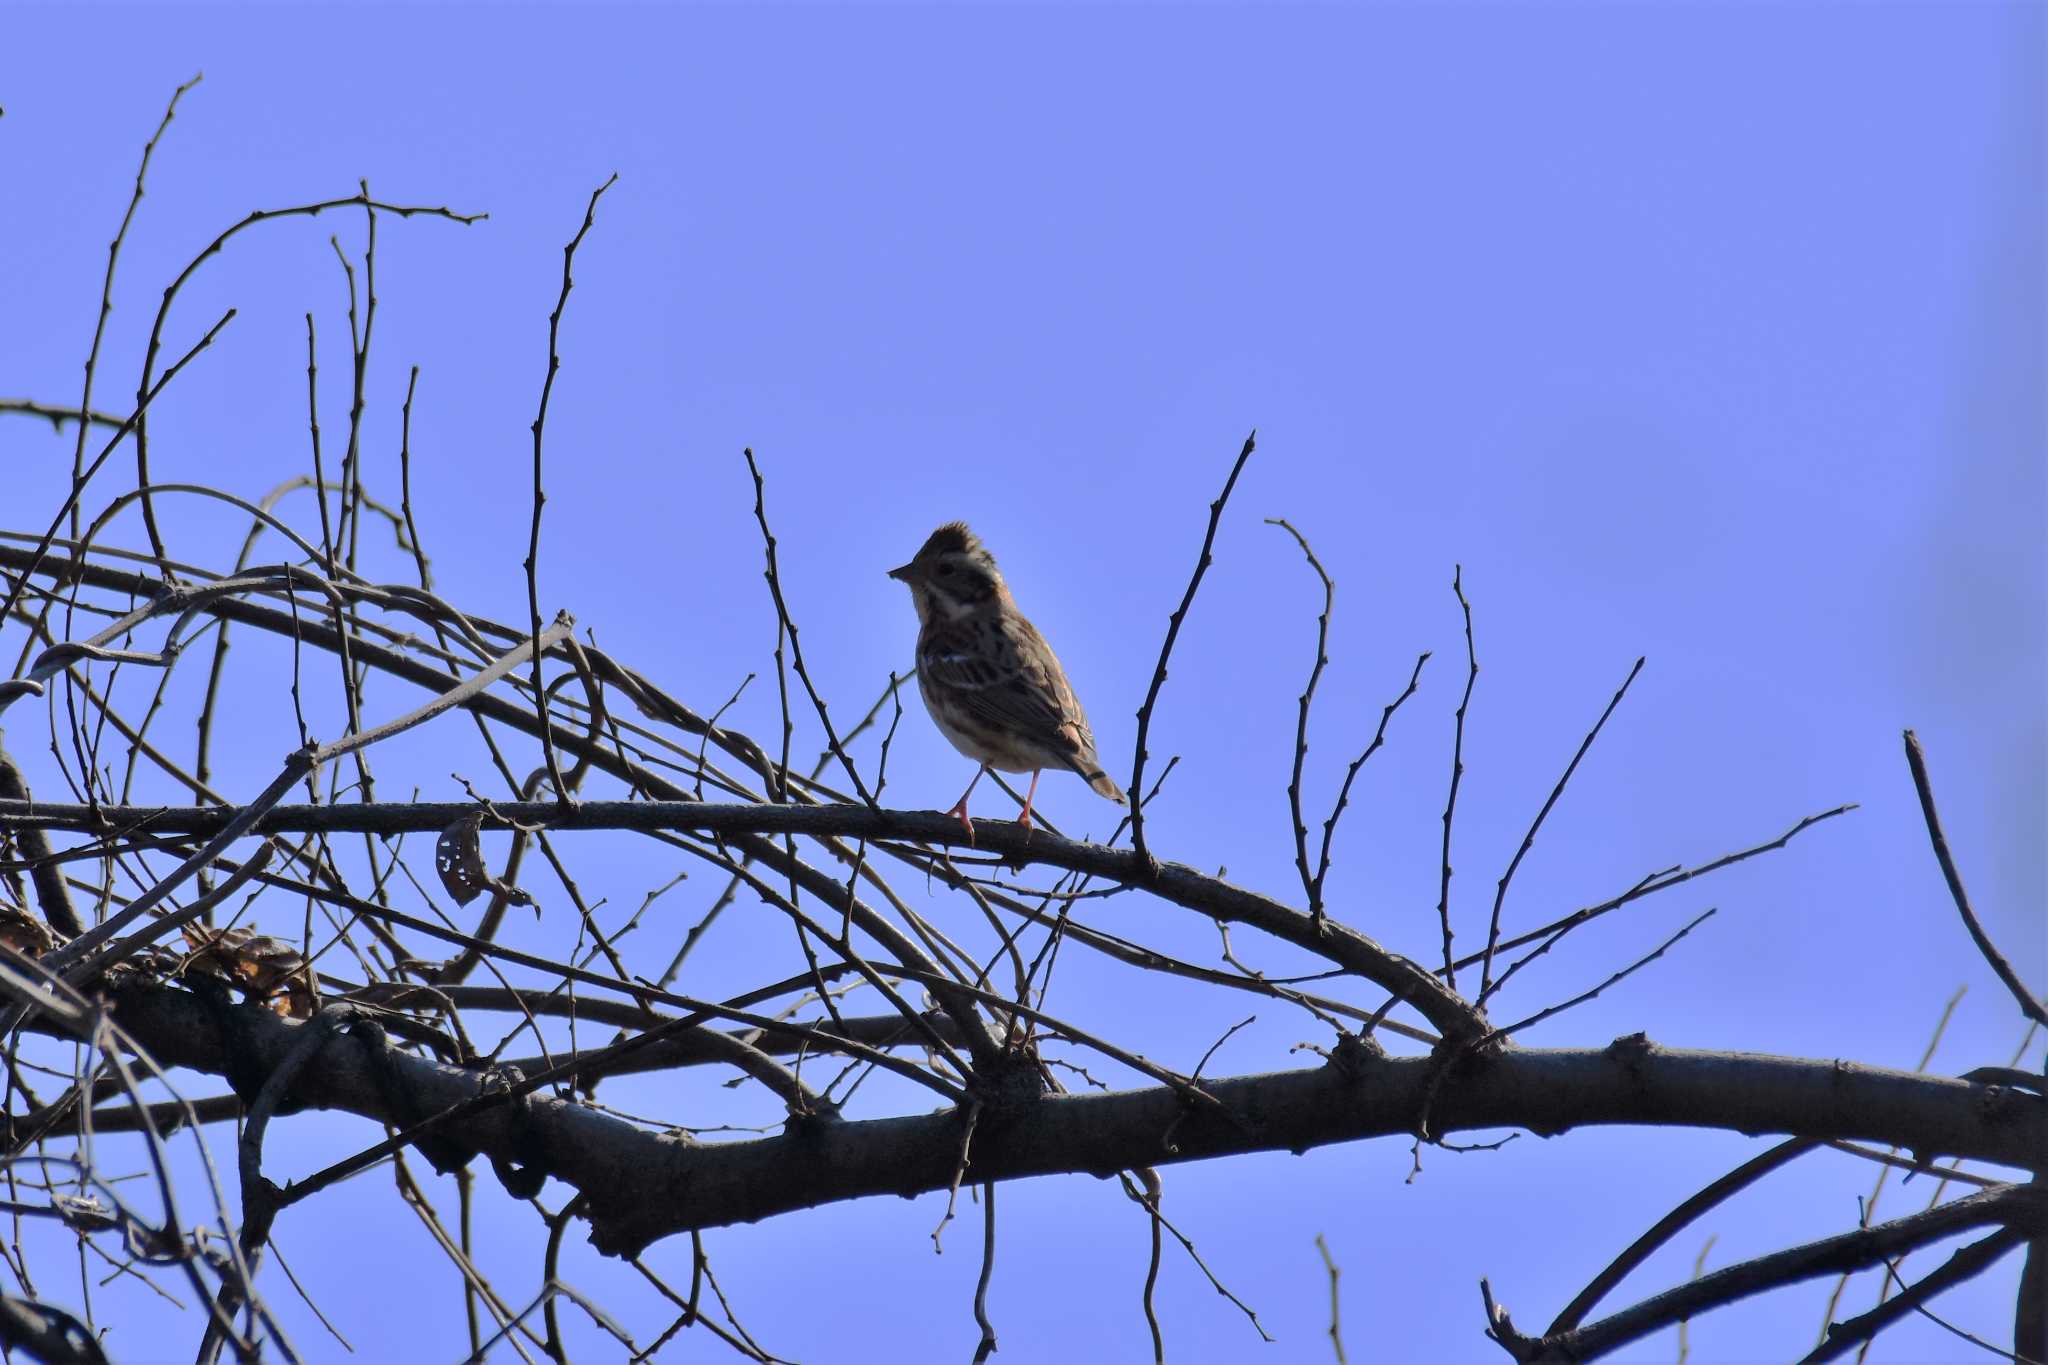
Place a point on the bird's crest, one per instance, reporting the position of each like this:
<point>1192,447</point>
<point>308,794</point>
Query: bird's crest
<point>952,538</point>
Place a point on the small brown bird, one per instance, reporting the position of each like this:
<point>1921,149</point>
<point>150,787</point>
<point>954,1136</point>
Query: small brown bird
<point>992,683</point>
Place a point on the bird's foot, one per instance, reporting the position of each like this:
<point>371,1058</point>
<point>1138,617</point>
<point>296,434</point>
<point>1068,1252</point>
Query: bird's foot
<point>1029,796</point>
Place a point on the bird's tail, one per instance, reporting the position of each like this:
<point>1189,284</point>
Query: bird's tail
<point>1106,785</point>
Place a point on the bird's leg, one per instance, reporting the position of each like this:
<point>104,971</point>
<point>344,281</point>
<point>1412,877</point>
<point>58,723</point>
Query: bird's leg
<point>1025,818</point>
<point>959,811</point>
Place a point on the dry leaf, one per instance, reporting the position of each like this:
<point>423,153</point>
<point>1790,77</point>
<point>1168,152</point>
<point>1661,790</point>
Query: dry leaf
<point>260,967</point>
<point>23,932</point>
<point>459,858</point>
<point>85,1213</point>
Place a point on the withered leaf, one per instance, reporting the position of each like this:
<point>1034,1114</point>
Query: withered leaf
<point>459,858</point>
<point>260,967</point>
<point>86,1213</point>
<point>23,932</point>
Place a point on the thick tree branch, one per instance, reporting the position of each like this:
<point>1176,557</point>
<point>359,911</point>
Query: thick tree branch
<point>643,1186</point>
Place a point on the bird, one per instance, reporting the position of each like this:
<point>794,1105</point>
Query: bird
<point>992,684</point>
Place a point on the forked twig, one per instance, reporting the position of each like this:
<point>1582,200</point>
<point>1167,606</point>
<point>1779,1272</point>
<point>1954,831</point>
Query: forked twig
<point>1621,975</point>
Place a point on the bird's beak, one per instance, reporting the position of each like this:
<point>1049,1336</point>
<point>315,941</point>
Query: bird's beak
<point>901,573</point>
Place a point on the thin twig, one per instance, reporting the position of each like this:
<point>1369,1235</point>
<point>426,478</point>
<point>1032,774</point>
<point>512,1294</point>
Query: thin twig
<point>2016,1207</point>
<point>1310,885</point>
<point>1443,905</point>
<point>1625,972</point>
<point>953,1191</point>
<point>1173,624</point>
<point>1699,1268</point>
<point>145,388</point>
<point>1667,1227</point>
<point>2029,1004</point>
<point>540,422</point>
<point>107,284</point>
<point>1500,893</point>
<point>56,414</point>
<point>1154,1190</point>
<point>787,624</point>
<point>1554,932</point>
<point>148,395</point>
<point>1966,1264</point>
<point>1336,1330</point>
<point>986,1347</point>
<point>1868,1212</point>
<point>1150,1199</point>
<point>1379,737</point>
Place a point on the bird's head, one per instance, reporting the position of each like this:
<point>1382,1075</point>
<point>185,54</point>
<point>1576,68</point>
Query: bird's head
<point>953,576</point>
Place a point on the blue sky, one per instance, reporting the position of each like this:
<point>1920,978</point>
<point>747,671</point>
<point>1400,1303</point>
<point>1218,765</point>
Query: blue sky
<point>1706,333</point>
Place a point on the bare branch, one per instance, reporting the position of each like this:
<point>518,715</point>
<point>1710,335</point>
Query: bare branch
<point>1627,971</point>
<point>1336,1329</point>
<point>55,415</point>
<point>796,649</point>
<point>2028,1003</point>
<point>1553,933</point>
<point>1173,881</point>
<point>2019,1208</point>
<point>145,389</point>
<point>1672,1223</point>
<point>131,423</point>
<point>540,423</point>
<point>1311,886</point>
<point>1173,624</point>
<point>1968,1263</point>
<point>99,329</point>
<point>643,1187</point>
<point>1500,893</point>
<point>1443,904</point>
<point>1379,737</point>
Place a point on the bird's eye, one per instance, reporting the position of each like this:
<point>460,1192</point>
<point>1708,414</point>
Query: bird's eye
<point>945,569</point>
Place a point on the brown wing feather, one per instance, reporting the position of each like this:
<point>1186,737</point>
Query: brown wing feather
<point>1004,677</point>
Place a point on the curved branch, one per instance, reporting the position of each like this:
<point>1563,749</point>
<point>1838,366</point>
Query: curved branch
<point>2002,969</point>
<point>1175,882</point>
<point>1968,1263</point>
<point>2020,1207</point>
<point>1737,1180</point>
<point>52,896</point>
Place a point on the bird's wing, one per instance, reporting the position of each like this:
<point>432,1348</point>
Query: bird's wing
<point>1004,677</point>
